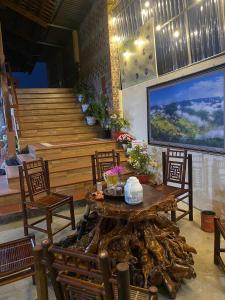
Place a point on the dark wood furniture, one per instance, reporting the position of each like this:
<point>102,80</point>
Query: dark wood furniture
<point>80,276</point>
<point>177,179</point>
<point>219,231</point>
<point>16,260</point>
<point>137,234</point>
<point>103,161</point>
<point>39,196</point>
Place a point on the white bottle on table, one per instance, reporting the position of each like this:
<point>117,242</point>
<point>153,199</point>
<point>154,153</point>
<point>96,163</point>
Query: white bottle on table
<point>133,191</point>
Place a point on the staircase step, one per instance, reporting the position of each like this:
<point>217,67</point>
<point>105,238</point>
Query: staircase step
<point>64,138</point>
<point>51,118</point>
<point>71,150</point>
<point>50,124</point>
<point>44,90</point>
<point>37,100</point>
<point>58,131</point>
<point>49,106</point>
<point>74,163</point>
<point>44,112</point>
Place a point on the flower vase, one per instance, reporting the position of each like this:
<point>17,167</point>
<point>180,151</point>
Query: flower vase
<point>111,180</point>
<point>143,179</point>
<point>116,134</point>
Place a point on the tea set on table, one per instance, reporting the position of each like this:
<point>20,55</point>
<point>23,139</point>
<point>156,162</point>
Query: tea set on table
<point>131,192</point>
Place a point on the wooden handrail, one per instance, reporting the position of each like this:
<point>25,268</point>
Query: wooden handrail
<point>7,103</point>
<point>11,83</point>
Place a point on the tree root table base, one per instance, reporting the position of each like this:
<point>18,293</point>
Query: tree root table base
<point>151,243</point>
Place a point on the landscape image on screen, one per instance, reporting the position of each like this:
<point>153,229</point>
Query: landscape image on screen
<point>189,111</point>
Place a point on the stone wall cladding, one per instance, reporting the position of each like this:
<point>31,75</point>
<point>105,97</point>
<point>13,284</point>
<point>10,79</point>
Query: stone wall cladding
<point>94,47</point>
<point>97,54</point>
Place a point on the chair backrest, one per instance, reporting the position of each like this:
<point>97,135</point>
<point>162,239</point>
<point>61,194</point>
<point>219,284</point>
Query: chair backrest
<point>76,275</point>
<point>177,167</point>
<point>79,276</point>
<point>16,259</point>
<point>103,161</point>
<point>36,175</point>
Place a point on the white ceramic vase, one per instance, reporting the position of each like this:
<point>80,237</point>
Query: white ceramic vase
<point>90,120</point>
<point>133,191</point>
<point>84,107</point>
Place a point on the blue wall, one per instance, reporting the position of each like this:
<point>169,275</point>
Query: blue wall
<point>37,79</point>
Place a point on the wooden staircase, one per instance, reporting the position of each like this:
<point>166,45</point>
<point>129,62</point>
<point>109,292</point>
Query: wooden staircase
<point>53,126</point>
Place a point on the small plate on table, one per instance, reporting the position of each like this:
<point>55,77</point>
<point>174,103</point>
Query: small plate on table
<point>109,196</point>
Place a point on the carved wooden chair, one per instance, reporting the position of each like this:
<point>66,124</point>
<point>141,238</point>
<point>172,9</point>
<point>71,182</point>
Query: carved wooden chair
<point>79,276</point>
<point>16,260</point>
<point>177,179</point>
<point>219,231</point>
<point>103,161</point>
<point>40,197</point>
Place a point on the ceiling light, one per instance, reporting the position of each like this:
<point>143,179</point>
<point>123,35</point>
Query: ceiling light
<point>114,19</point>
<point>127,54</point>
<point>147,4</point>
<point>158,27</point>
<point>116,39</point>
<point>176,34</point>
<point>201,8</point>
<point>144,12</point>
<point>139,42</point>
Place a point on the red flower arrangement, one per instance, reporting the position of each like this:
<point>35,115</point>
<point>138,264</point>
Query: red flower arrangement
<point>125,138</point>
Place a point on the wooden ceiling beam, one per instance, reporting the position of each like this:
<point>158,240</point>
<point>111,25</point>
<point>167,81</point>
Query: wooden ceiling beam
<point>23,12</point>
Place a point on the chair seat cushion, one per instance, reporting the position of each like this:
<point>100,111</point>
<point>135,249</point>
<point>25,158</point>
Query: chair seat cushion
<point>15,257</point>
<point>51,200</point>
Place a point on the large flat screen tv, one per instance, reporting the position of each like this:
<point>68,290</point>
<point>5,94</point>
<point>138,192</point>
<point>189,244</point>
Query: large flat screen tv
<point>189,112</point>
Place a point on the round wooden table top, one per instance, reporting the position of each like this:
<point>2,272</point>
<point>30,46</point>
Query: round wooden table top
<point>153,202</point>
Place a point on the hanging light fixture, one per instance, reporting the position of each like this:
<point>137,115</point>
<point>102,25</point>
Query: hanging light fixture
<point>147,4</point>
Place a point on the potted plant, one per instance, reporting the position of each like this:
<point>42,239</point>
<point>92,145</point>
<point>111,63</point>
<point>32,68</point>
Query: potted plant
<point>142,163</point>
<point>84,91</point>
<point>91,113</point>
<point>117,124</point>
<point>84,104</point>
<point>125,139</point>
<point>102,115</point>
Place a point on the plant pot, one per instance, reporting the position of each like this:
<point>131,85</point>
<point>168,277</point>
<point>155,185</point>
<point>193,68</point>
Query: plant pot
<point>106,133</point>
<point>143,178</point>
<point>124,147</point>
<point>207,220</point>
<point>90,120</point>
<point>84,107</point>
<point>80,97</point>
<point>116,134</point>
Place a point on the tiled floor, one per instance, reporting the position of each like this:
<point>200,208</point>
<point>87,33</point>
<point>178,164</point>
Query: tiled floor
<point>209,284</point>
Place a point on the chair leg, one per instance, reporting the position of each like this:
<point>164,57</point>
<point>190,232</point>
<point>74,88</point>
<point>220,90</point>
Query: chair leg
<point>25,222</point>
<point>33,276</point>
<point>49,225</point>
<point>173,215</point>
<point>190,206</point>
<point>216,242</point>
<point>73,224</point>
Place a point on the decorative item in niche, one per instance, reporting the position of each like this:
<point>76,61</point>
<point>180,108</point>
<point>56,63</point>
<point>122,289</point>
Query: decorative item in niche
<point>189,112</point>
<point>137,57</point>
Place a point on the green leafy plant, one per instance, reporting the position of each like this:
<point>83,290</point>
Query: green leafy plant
<point>92,110</point>
<point>102,112</point>
<point>118,123</point>
<point>141,161</point>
